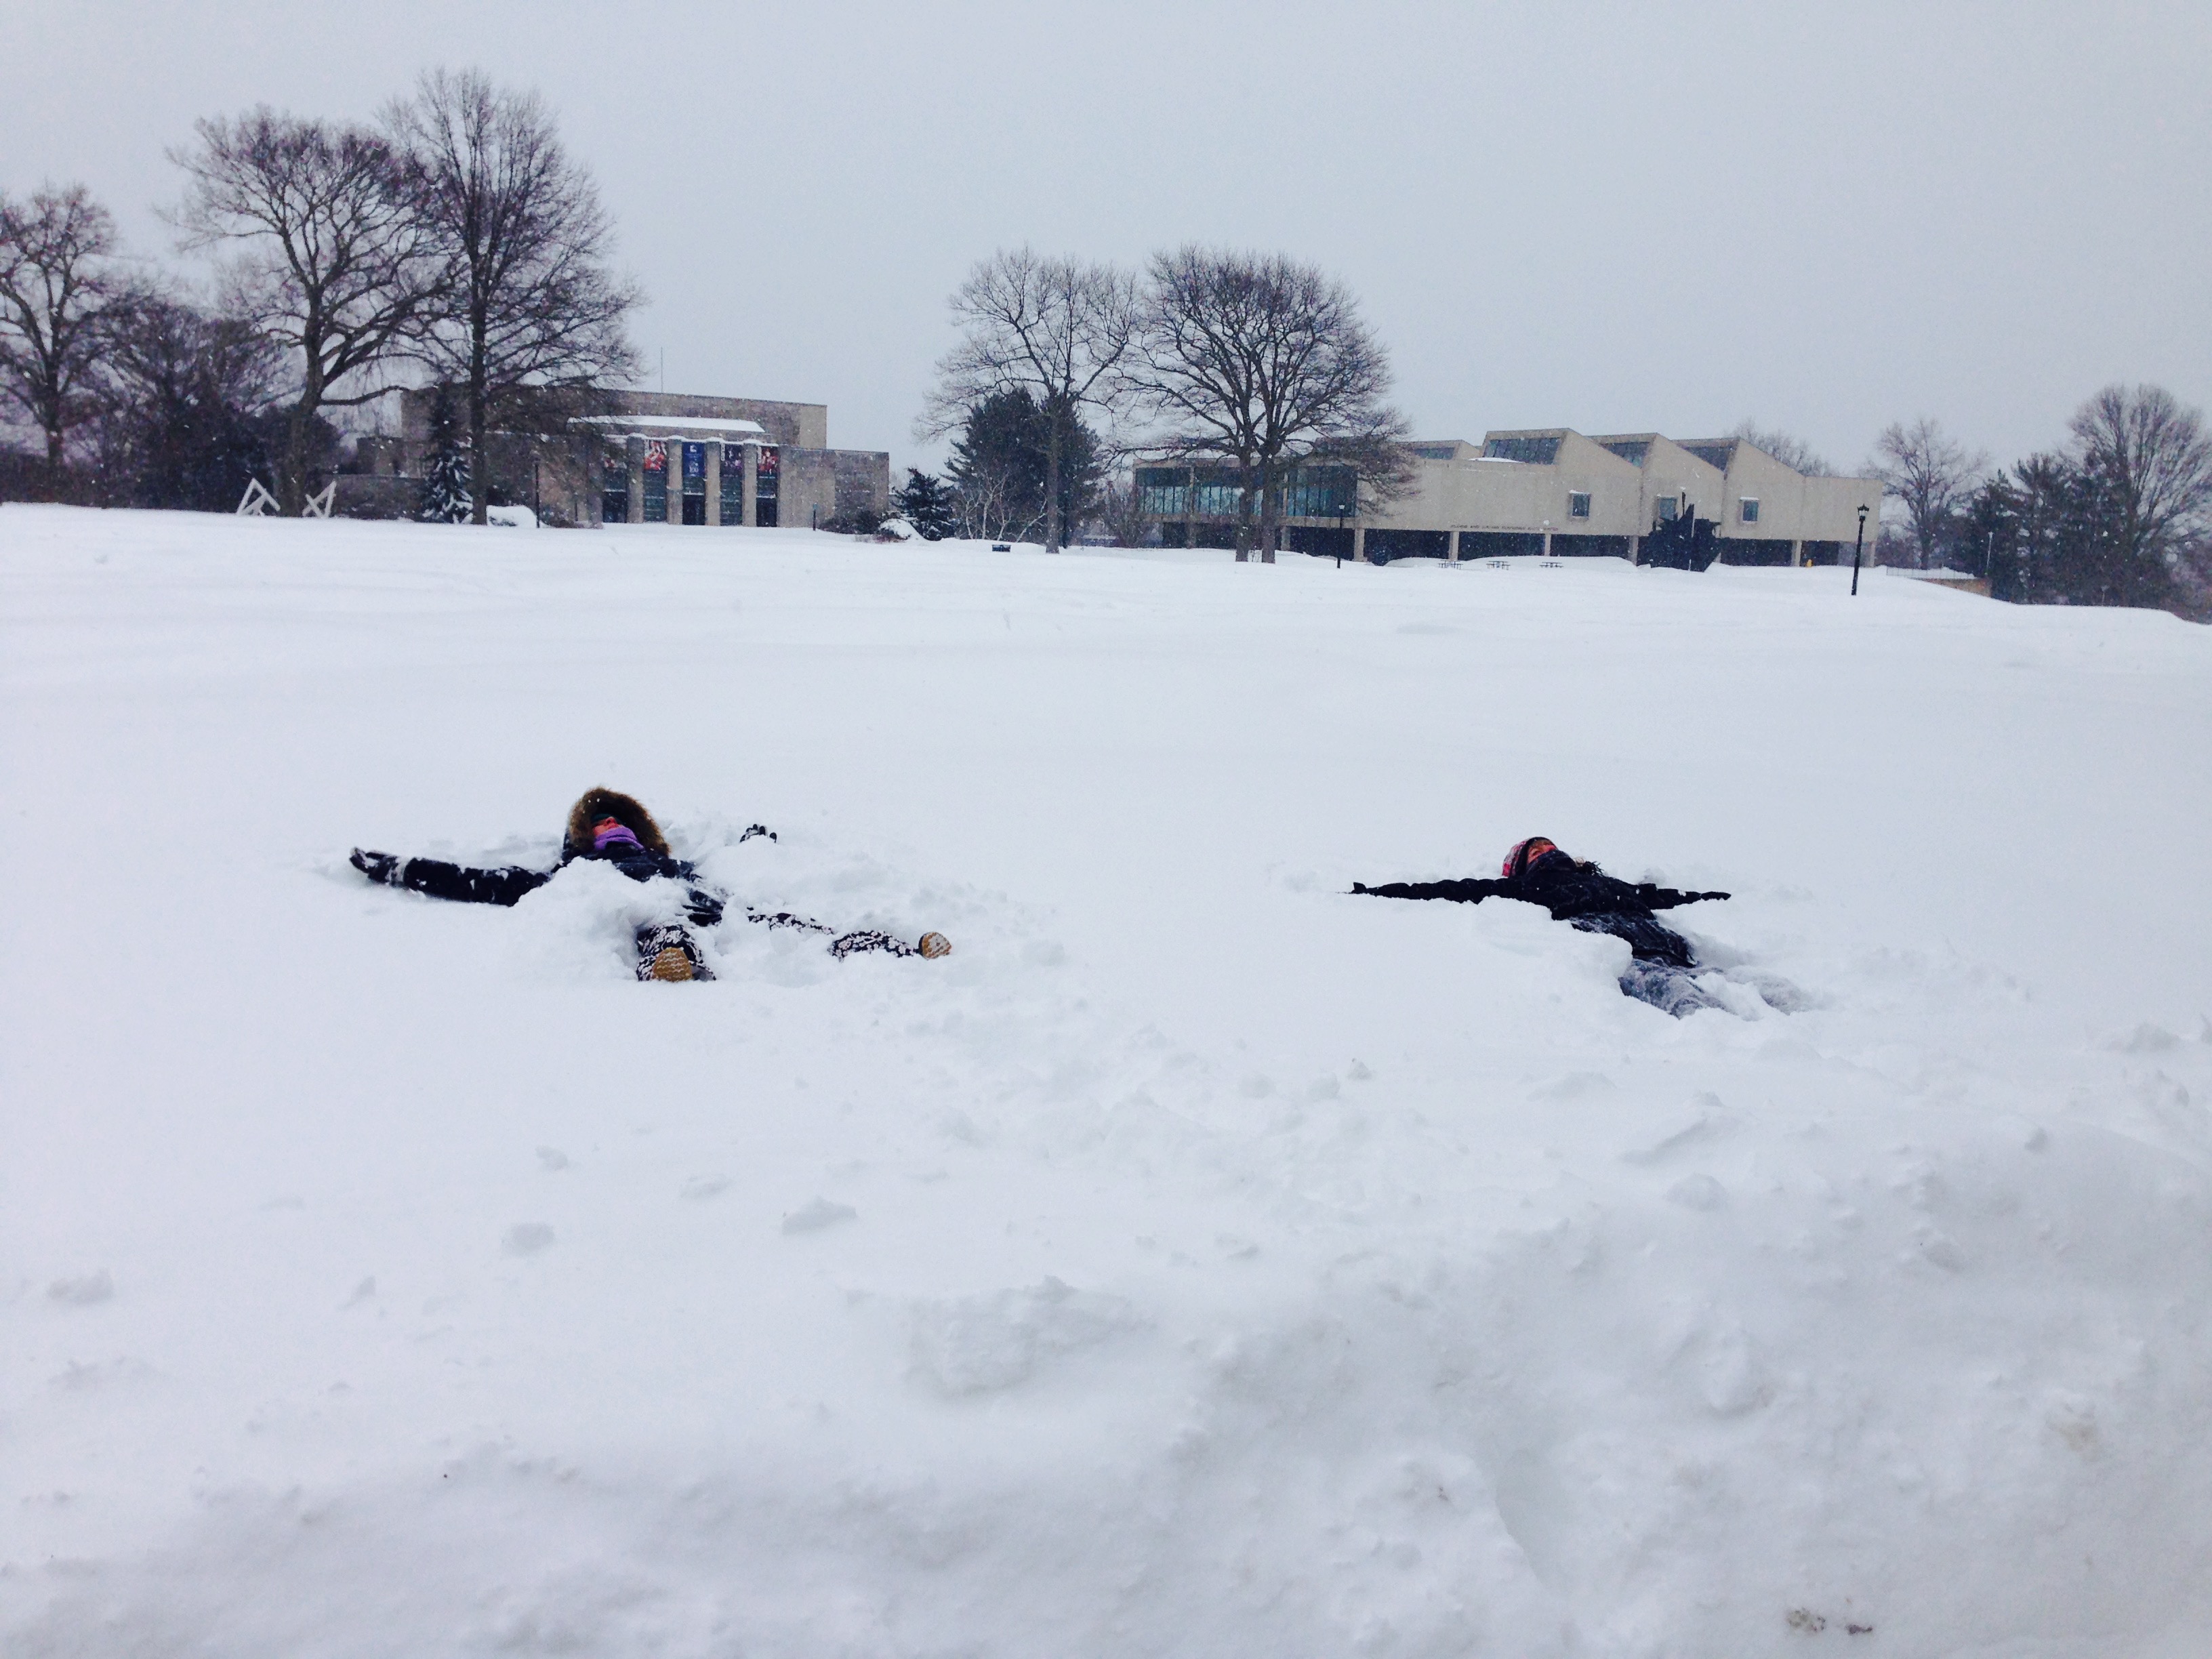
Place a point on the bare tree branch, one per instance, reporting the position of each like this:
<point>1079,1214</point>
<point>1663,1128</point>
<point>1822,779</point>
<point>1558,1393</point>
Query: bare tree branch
<point>528,304</point>
<point>1931,472</point>
<point>1057,328</point>
<point>2151,462</point>
<point>1261,362</point>
<point>58,282</point>
<point>1791,450</point>
<point>333,261</point>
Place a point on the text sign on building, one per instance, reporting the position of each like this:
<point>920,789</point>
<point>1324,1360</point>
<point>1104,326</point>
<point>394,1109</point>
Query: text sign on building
<point>695,460</point>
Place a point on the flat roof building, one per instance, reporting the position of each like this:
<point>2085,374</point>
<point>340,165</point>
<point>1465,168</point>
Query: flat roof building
<point>1550,491</point>
<point>669,458</point>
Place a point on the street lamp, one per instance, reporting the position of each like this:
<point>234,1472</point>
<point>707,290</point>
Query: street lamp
<point>1857,550</point>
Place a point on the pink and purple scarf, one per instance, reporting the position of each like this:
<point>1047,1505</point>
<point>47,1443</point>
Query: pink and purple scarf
<point>613,832</point>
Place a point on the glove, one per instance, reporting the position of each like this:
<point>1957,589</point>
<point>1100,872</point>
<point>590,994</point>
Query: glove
<point>753,829</point>
<point>704,909</point>
<point>380,867</point>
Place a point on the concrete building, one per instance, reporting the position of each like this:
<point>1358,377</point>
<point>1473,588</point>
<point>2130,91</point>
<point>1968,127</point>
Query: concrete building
<point>1549,491</point>
<point>660,457</point>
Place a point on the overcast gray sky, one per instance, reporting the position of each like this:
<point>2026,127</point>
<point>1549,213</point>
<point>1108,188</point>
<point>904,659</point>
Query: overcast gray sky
<point>1612,217</point>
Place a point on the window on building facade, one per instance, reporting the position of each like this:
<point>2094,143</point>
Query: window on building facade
<point>614,492</point>
<point>1161,489</point>
<point>1321,492</point>
<point>1578,503</point>
<point>1749,509</point>
<point>1538,450</point>
<point>1670,508</point>
<point>734,483</point>
<point>766,512</point>
<point>1175,492</point>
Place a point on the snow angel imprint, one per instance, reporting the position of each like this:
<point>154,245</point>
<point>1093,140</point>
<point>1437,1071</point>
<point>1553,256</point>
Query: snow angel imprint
<point>1661,963</point>
<point>616,828</point>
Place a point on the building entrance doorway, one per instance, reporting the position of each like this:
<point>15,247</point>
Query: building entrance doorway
<point>695,484</point>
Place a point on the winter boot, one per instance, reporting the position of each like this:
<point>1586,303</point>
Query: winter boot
<point>670,954</point>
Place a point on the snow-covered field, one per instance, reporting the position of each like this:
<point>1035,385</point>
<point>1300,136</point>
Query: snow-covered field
<point>1200,1260</point>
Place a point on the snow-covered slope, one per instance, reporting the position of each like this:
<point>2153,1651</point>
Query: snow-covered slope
<point>1200,1260</point>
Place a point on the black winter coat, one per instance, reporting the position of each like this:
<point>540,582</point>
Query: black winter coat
<point>507,885</point>
<point>1581,894</point>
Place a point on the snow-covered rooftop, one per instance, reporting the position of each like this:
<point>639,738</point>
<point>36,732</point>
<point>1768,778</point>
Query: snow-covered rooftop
<point>666,426</point>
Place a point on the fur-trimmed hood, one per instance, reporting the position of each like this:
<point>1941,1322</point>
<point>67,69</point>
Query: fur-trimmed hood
<point>598,803</point>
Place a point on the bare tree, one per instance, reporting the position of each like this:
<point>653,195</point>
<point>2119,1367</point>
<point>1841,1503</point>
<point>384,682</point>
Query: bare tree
<point>1931,472</point>
<point>991,506</point>
<point>334,261</point>
<point>1122,511</point>
<point>529,304</point>
<point>1791,450</point>
<point>183,420</point>
<point>1261,362</point>
<point>2150,462</point>
<point>58,282</point>
<point>1060,329</point>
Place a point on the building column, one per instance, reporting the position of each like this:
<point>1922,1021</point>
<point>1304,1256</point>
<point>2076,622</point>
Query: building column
<point>713,483</point>
<point>635,449</point>
<point>752,486</point>
<point>1451,550</point>
<point>1547,543</point>
<point>1359,543</point>
<point>1798,553</point>
<point>1636,550</point>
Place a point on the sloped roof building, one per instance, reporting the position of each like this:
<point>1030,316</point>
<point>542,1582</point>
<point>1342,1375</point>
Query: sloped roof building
<point>1549,491</point>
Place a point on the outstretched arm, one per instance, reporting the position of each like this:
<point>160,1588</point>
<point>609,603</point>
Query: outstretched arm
<point>436,878</point>
<point>1666,898</point>
<point>1461,892</point>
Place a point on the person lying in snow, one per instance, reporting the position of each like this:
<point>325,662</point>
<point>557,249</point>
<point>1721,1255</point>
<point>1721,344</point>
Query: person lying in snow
<point>616,830</point>
<point>1578,892</point>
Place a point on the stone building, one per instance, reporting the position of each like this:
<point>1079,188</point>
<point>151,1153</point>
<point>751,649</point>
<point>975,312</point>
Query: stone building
<point>662,458</point>
<point>1549,491</point>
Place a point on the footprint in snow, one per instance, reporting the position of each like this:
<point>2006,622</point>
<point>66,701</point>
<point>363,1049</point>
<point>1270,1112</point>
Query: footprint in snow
<point>83,1291</point>
<point>527,1238</point>
<point>817,1213</point>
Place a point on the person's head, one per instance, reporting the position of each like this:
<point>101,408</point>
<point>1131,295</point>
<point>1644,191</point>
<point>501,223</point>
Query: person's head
<point>1537,851</point>
<point>606,819</point>
<point>612,831</point>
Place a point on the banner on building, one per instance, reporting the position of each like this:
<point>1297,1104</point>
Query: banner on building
<point>656,455</point>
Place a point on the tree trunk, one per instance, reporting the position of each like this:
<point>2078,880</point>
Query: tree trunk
<point>1244,494</point>
<point>479,474</point>
<point>1270,515</point>
<point>292,465</point>
<point>1052,525</point>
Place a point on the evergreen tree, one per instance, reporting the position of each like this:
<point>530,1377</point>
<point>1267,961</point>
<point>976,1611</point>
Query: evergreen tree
<point>927,504</point>
<point>446,498</point>
<point>1000,461</point>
